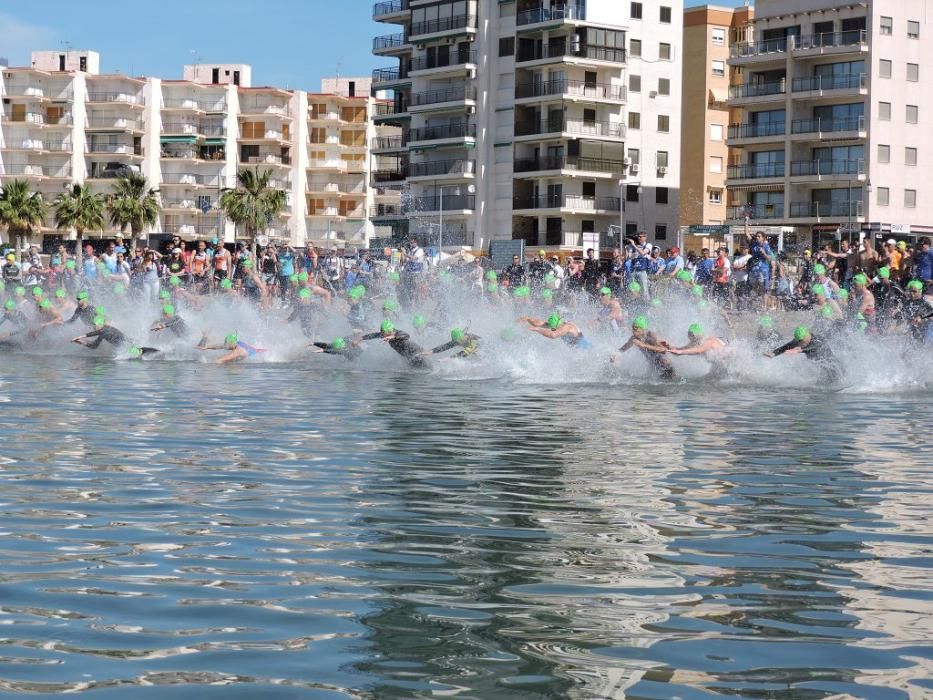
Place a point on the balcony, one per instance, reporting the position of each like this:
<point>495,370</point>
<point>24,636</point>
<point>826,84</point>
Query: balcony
<point>457,93</point>
<point>390,43</point>
<point>756,212</point>
<point>819,85</point>
<point>186,104</point>
<point>554,15</point>
<point>190,179</point>
<point>832,43</point>
<point>124,149</point>
<point>844,170</point>
<point>114,124</point>
<point>272,159</point>
<point>382,76</point>
<point>328,164</point>
<point>250,109</point>
<point>116,98</point>
<point>46,172</point>
<point>389,113</point>
<point>821,210</point>
<point>746,132</point>
<point>837,129</point>
<point>755,171</point>
<point>573,203</point>
<point>758,51</point>
<point>587,165</point>
<point>442,62</point>
<point>382,11</point>
<point>387,211</point>
<point>450,202</point>
<point>388,143</point>
<point>380,176</point>
<point>456,168</point>
<point>457,132</point>
<point>757,92</point>
<point>613,131</point>
<point>443,25</point>
<point>38,146</point>
<point>565,50</point>
<point>573,89</point>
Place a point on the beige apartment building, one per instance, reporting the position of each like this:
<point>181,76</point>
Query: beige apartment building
<point>709,32</point>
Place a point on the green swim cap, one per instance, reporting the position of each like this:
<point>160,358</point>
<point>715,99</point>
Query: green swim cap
<point>547,294</point>
<point>394,276</point>
<point>419,321</point>
<point>168,310</point>
<point>695,329</point>
<point>550,278</point>
<point>491,275</point>
<point>554,321</point>
<point>818,289</point>
<point>70,264</point>
<point>135,351</point>
<point>390,305</point>
<point>356,292</point>
<point>231,339</point>
<point>766,322</point>
<point>492,287</point>
<point>10,305</point>
<point>387,327</point>
<point>801,332</point>
<point>339,344</point>
<point>685,276</point>
<point>916,285</point>
<point>697,290</point>
<point>843,293</point>
<point>100,320</point>
<point>81,296</point>
<point>860,278</point>
<point>174,280</point>
<point>827,311</point>
<point>60,293</point>
<point>226,284</point>
<point>640,322</point>
<point>165,295</point>
<point>634,288</point>
<point>657,303</point>
<point>542,251</point>
<point>605,292</point>
<point>507,334</point>
<point>45,304</point>
<point>702,305</point>
<point>302,276</point>
<point>37,291</point>
<point>884,273</point>
<point>860,317</point>
<point>20,291</point>
<point>100,310</point>
<point>819,269</point>
<point>247,263</point>
<point>293,278</point>
<point>304,293</point>
<point>457,335</point>
<point>521,292</point>
<point>118,288</point>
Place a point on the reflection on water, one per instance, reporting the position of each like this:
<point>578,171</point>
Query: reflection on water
<point>278,531</point>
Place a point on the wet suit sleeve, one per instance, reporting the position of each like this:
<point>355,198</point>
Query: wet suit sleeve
<point>75,316</point>
<point>784,348</point>
<point>99,335</point>
<point>293,315</point>
<point>444,348</point>
<point>371,336</point>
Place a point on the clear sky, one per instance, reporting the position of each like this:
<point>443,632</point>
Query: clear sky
<point>289,43</point>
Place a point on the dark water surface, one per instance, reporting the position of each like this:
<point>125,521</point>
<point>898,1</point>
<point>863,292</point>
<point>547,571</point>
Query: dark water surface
<point>177,529</point>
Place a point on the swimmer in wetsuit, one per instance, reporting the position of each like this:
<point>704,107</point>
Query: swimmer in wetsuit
<point>102,331</point>
<point>349,350</point>
<point>459,338</point>
<point>13,316</point>
<point>402,344</point>
<point>303,312</point>
<point>556,327</point>
<point>84,311</point>
<point>171,321</point>
<point>652,347</point>
<point>813,348</point>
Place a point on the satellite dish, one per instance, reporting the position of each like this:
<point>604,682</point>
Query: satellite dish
<point>262,240</point>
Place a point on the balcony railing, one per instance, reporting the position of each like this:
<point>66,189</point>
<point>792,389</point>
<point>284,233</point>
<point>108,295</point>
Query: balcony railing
<point>753,171</point>
<point>799,168</point>
<point>758,48</point>
<point>384,175</point>
<point>568,202</point>
<point>385,75</point>
<point>120,148</point>
<point>827,126</point>
<point>756,211</point>
<point>255,108</point>
<point>42,145</point>
<point>451,58</point>
<point>381,9</point>
<point>574,127</point>
<point>114,123</point>
<point>444,24</point>
<point>850,81</point>
<point>757,89</point>
<point>853,37</point>
<point>558,50</point>
<point>387,211</point>
<point>450,202</point>
<point>754,131</point>
<point>544,14</point>
<point>384,109</point>
<point>815,210</point>
<point>574,88</point>
<point>443,131</point>
<point>36,170</point>
<point>190,179</point>
<point>389,41</point>
<point>592,165</point>
<point>388,143</point>
<point>457,166</point>
<point>195,105</point>
<point>451,94</point>
<point>116,98</point>
<point>267,159</point>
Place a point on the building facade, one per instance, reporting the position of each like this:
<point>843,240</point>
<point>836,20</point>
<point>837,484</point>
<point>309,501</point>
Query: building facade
<point>531,119</point>
<point>832,124</point>
<point>709,32</point>
<point>64,122</point>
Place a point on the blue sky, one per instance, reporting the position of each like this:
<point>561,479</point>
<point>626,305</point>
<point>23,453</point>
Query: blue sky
<point>291,43</point>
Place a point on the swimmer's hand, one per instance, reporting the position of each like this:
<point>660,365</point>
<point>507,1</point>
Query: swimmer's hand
<point>769,354</point>
<point>612,357</point>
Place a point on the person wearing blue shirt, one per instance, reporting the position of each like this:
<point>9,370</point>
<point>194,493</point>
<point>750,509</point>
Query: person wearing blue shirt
<point>286,268</point>
<point>704,269</point>
<point>640,252</point>
<point>923,261</point>
<point>759,266</point>
<point>675,263</point>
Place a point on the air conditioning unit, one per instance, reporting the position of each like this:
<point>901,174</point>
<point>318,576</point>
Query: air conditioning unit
<point>653,93</point>
<point>633,168</point>
<point>471,109</point>
<point>662,170</point>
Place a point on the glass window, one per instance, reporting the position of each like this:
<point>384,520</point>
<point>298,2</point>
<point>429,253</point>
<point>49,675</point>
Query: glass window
<point>719,36</point>
<point>884,196</point>
<point>884,68</point>
<point>635,11</point>
<point>665,15</point>
<point>631,193</point>
<point>715,196</point>
<point>660,195</point>
<point>887,25</point>
<point>715,132</point>
<point>910,198</point>
<point>662,159</point>
<point>634,47</point>
<point>664,86</point>
<point>910,156</point>
<point>719,68</point>
<point>664,123</point>
<point>634,83</point>
<point>634,120</point>
<point>634,156</point>
<point>913,72</point>
<point>664,52</point>
<point>913,29</point>
<point>715,164</point>
<point>884,153</point>
<point>507,46</point>
<point>913,114</point>
<point>884,111</point>
<point>660,232</point>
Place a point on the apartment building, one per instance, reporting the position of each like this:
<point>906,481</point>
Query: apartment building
<point>709,32</point>
<point>64,122</point>
<point>833,121</point>
<point>531,119</point>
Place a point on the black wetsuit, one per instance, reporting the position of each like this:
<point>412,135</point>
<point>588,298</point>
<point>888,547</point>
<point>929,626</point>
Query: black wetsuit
<point>16,317</point>
<point>177,325</point>
<point>304,314</point>
<point>349,351</point>
<point>917,308</point>
<point>469,346</point>
<point>85,313</point>
<point>816,350</point>
<point>108,333</point>
<point>888,299</point>
<point>403,345</point>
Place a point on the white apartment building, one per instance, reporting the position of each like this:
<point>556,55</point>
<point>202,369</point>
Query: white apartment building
<point>832,124</point>
<point>531,119</point>
<point>64,122</point>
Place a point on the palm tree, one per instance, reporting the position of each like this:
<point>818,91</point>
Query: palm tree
<point>80,209</point>
<point>21,210</point>
<point>133,204</point>
<point>253,204</point>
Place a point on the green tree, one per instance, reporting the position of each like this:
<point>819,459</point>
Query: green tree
<point>133,205</point>
<point>21,211</point>
<point>80,209</point>
<point>253,204</point>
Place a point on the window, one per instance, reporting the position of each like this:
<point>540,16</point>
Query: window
<point>913,114</point>
<point>913,29</point>
<point>719,36</point>
<point>318,135</point>
<point>884,111</point>
<point>662,159</point>
<point>716,132</point>
<point>634,47</point>
<point>715,164</point>
<point>588,190</point>
<point>635,11</point>
<point>634,120</point>
<point>634,83</point>
<point>884,153</point>
<point>715,196</point>
<point>884,196</point>
<point>665,15</point>
<point>664,86</point>
<point>664,123</point>
<point>887,26</point>
<point>660,232</point>
<point>884,68</point>
<point>631,193</point>
<point>660,195</point>
<point>719,68</point>
<point>634,156</point>
<point>913,72</point>
<point>664,52</point>
<point>910,156</point>
<point>910,199</point>
<point>507,46</point>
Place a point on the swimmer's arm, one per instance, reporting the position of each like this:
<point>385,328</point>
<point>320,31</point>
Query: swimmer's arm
<point>649,346</point>
<point>56,320</point>
<point>97,340</point>
<point>546,332</point>
<point>791,348</point>
<point>440,348</point>
<point>690,350</point>
<point>231,356</point>
<point>371,336</point>
<point>75,316</point>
